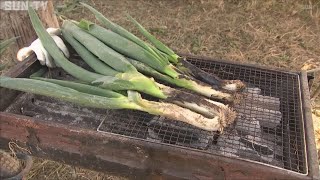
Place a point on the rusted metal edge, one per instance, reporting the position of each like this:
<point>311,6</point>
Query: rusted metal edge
<point>303,126</point>
<point>312,155</point>
<point>132,157</point>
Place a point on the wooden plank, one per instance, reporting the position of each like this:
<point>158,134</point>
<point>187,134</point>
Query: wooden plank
<point>23,69</point>
<point>17,23</point>
<point>130,157</point>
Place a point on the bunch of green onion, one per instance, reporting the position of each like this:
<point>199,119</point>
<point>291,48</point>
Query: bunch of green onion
<point>123,62</point>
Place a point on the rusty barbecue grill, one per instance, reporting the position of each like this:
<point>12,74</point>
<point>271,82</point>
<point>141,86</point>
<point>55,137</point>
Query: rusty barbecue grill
<point>269,129</point>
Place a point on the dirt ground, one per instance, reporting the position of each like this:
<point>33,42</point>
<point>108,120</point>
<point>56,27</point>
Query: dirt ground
<point>284,34</point>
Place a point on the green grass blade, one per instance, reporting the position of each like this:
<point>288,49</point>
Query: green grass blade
<point>83,88</point>
<point>158,44</point>
<point>6,43</point>
<point>56,53</point>
<point>65,93</point>
<point>2,67</point>
<point>96,64</point>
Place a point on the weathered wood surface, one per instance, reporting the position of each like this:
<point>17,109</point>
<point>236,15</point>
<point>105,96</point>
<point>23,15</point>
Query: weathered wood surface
<point>133,158</point>
<point>16,23</point>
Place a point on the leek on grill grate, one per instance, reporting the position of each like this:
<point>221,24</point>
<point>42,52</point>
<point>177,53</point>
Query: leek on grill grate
<point>125,46</point>
<point>164,53</point>
<point>133,101</point>
<point>211,117</point>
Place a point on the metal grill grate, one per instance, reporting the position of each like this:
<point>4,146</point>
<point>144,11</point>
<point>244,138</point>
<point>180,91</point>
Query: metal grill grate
<point>269,125</point>
<point>268,129</point>
<point>285,136</point>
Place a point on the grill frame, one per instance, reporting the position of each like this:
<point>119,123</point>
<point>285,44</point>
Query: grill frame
<point>23,72</point>
<point>163,134</point>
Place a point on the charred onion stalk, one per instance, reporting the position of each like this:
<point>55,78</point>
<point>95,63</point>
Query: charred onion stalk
<point>201,105</point>
<point>190,83</point>
<point>124,76</point>
<point>205,107</point>
<point>164,53</point>
<point>198,104</point>
<point>90,96</point>
<point>213,80</point>
<point>172,111</point>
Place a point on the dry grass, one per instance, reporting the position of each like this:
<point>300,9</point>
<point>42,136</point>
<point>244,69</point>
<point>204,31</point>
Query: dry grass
<point>50,170</point>
<point>283,34</point>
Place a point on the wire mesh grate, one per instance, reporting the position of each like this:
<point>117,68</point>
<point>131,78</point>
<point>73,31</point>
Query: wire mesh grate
<point>268,129</point>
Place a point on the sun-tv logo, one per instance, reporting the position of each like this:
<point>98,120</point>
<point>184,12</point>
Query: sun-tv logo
<point>22,5</point>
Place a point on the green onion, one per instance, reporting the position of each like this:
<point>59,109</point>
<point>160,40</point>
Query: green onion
<point>118,29</point>
<point>57,54</point>
<point>119,83</point>
<point>126,34</point>
<point>134,82</point>
<point>65,93</point>
<point>117,42</point>
<point>158,44</point>
<point>39,73</point>
<point>229,85</point>
<point>127,47</point>
<point>84,88</point>
<point>133,101</point>
<point>98,48</point>
<point>81,94</point>
<point>164,53</point>
<point>128,81</point>
<point>122,81</point>
<point>88,57</point>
